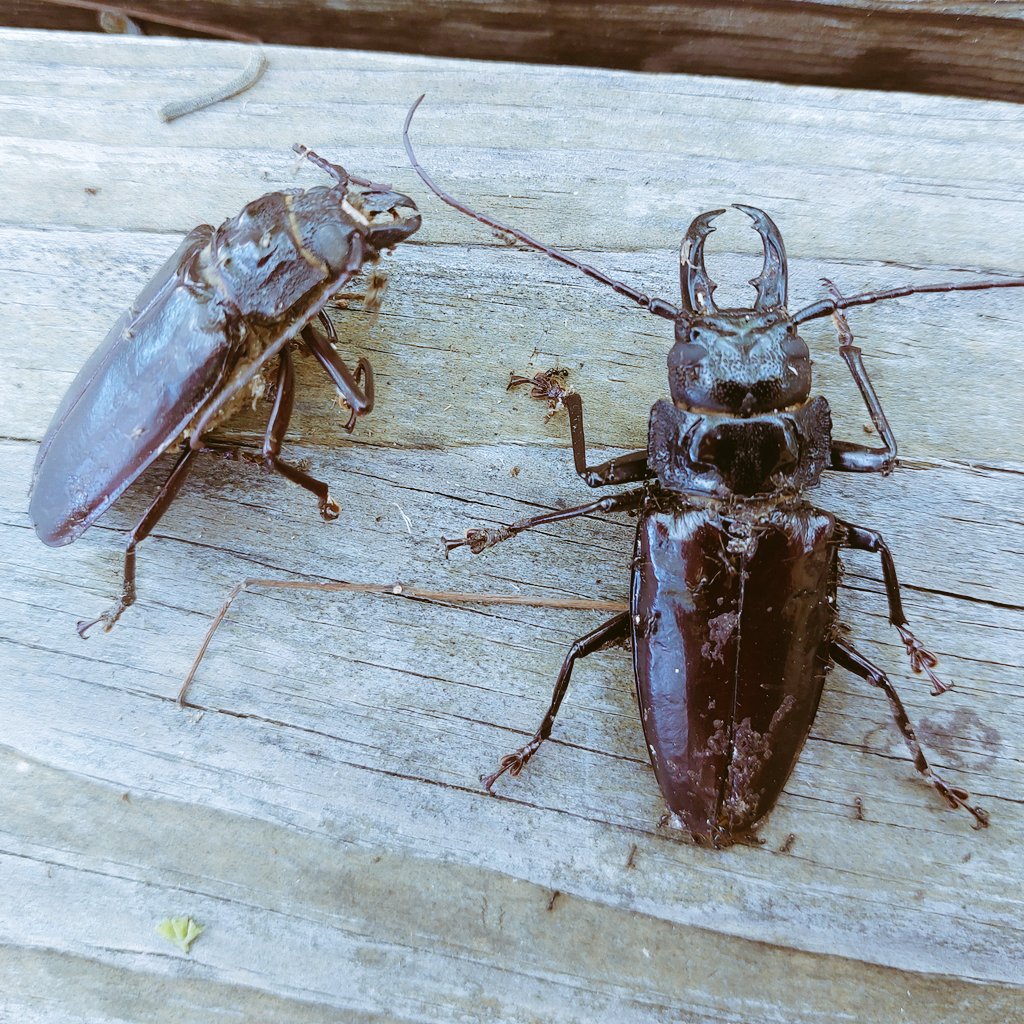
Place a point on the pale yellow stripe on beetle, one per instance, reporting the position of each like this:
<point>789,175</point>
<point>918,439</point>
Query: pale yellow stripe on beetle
<point>293,229</point>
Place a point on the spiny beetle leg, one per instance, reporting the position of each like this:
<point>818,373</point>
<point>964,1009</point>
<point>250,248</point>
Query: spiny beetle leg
<point>615,629</point>
<point>551,386</point>
<point>856,663</point>
<point>159,505</point>
<point>860,538</point>
<point>478,540</point>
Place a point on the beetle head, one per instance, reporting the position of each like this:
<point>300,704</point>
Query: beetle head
<point>390,217</point>
<point>740,361</point>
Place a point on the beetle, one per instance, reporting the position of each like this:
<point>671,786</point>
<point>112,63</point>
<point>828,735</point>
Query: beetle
<point>732,618</point>
<point>191,351</point>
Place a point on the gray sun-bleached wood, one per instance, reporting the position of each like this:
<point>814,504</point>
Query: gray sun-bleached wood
<point>320,813</point>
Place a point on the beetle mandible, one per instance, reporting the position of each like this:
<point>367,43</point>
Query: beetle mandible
<point>190,352</point>
<point>732,600</point>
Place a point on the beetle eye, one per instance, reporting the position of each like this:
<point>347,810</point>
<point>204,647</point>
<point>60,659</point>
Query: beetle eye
<point>793,345</point>
<point>688,352</point>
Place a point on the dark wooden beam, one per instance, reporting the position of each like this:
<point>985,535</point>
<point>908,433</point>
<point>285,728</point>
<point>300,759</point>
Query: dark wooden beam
<point>966,49</point>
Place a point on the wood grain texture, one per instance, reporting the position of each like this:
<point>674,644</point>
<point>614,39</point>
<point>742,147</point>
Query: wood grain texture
<point>933,46</point>
<point>320,811</point>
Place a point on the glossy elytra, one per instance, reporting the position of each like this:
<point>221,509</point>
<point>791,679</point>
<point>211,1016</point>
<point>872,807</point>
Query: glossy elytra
<point>193,348</point>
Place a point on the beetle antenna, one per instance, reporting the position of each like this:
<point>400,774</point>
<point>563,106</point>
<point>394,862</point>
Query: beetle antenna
<point>826,307</point>
<point>654,305</point>
<point>336,171</point>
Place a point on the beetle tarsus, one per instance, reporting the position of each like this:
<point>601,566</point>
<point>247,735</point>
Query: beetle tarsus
<point>922,660</point>
<point>512,763</point>
<point>853,661</point>
<point>957,797</point>
<point>549,386</point>
<point>107,619</point>
<point>477,540</point>
<point>83,627</point>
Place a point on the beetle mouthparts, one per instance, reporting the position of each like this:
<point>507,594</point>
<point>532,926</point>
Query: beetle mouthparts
<point>771,282</point>
<point>696,287</point>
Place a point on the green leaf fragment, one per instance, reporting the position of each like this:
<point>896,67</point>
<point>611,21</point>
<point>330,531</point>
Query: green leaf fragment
<point>182,931</point>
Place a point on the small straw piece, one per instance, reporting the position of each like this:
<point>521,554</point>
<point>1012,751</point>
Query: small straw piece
<point>396,590</point>
<point>246,80</point>
<point>117,23</point>
<point>154,18</point>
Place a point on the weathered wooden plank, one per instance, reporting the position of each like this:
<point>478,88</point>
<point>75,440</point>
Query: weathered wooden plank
<point>967,49</point>
<point>463,341</point>
<point>321,812</point>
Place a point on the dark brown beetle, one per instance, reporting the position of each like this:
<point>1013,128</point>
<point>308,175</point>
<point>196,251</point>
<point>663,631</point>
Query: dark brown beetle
<point>191,350</point>
<point>732,604</point>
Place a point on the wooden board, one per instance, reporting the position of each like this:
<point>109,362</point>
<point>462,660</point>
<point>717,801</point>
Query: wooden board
<point>319,812</point>
<point>968,48</point>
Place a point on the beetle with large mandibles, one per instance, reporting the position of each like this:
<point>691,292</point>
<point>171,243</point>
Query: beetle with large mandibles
<point>190,352</point>
<point>732,616</point>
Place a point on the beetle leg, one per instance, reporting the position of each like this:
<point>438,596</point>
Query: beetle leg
<point>614,629</point>
<point>478,540</point>
<point>153,514</point>
<point>277,426</point>
<point>623,469</point>
<point>846,455</point>
<point>356,390</point>
<point>859,538</point>
<point>856,663</point>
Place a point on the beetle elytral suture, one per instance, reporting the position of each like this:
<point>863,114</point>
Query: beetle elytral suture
<point>190,352</point>
<point>732,615</point>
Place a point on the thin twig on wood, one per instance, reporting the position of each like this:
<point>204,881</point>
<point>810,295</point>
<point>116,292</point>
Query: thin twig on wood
<point>396,590</point>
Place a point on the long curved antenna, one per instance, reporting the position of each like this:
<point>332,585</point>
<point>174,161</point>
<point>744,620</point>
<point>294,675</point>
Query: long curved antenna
<point>658,306</point>
<point>826,307</point>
